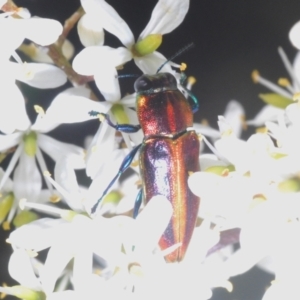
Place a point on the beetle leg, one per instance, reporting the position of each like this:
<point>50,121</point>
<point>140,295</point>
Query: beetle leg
<point>137,203</point>
<point>127,128</point>
<point>124,166</point>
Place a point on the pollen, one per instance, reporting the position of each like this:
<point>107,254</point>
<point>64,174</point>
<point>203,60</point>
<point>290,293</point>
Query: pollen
<point>256,200</point>
<point>243,121</point>
<point>296,97</point>
<point>227,132</point>
<point>200,137</point>
<point>6,225</point>
<point>228,286</point>
<point>47,173</point>
<point>205,122</point>
<point>183,67</point>
<point>101,117</point>
<point>39,110</point>
<point>225,172</point>
<point>135,163</point>
<point>191,80</point>
<point>94,149</point>
<point>261,130</point>
<point>284,82</point>
<point>54,199</point>
<point>22,203</point>
<point>136,270</point>
<point>255,76</point>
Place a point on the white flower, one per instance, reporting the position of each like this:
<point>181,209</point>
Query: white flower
<point>166,16</point>
<point>82,199</point>
<point>13,32</point>
<point>29,140</point>
<point>283,94</point>
<point>294,35</point>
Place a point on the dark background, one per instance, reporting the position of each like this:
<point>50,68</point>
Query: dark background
<point>232,38</point>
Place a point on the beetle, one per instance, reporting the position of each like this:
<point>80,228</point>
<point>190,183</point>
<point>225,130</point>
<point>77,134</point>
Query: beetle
<point>168,153</point>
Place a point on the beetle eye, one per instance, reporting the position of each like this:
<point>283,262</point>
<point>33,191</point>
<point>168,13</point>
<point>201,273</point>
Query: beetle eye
<point>143,83</point>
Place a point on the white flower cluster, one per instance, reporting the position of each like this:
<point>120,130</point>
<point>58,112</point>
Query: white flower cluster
<point>249,190</point>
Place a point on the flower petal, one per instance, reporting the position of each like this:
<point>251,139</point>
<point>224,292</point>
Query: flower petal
<point>34,29</point>
<point>294,35</point>
<point>296,68</point>
<point>42,76</point>
<point>234,114</point>
<point>108,83</point>
<point>13,114</point>
<point>27,179</point>
<point>100,149</point>
<point>92,59</point>
<point>111,21</point>
<point>90,31</point>
<point>166,16</point>
<point>267,113</point>
<point>21,270</point>
<point>150,63</point>
<point>9,140</point>
<point>160,209</point>
<point>37,235</point>
<point>56,150</point>
<point>66,109</point>
<point>65,176</point>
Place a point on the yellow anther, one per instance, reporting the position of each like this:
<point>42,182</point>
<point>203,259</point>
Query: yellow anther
<point>39,110</point>
<point>255,76</point>
<point>22,203</point>
<point>225,172</point>
<point>228,286</point>
<point>200,137</point>
<point>204,122</point>
<point>284,82</point>
<point>260,197</point>
<point>191,80</point>
<point>54,198</point>
<point>2,295</point>
<point>138,183</point>
<point>135,163</point>
<point>47,173</point>
<point>296,97</point>
<point>101,117</point>
<point>261,130</point>
<point>135,269</point>
<point>256,200</point>
<point>227,132</point>
<point>243,121</point>
<point>183,67</point>
<point>6,225</point>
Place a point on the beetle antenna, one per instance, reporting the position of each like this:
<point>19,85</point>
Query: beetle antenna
<point>128,76</point>
<point>182,50</point>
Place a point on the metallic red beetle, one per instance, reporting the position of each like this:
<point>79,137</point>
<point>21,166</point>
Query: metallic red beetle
<point>168,153</point>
